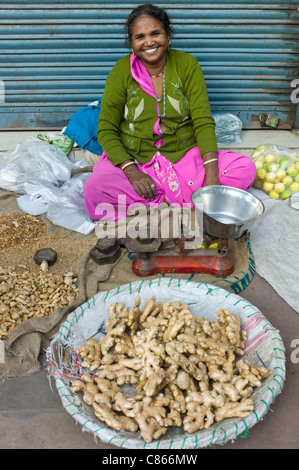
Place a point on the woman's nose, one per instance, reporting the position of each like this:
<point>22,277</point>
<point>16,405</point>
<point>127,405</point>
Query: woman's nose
<point>148,41</point>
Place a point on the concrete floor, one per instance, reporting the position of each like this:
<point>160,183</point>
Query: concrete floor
<point>32,416</point>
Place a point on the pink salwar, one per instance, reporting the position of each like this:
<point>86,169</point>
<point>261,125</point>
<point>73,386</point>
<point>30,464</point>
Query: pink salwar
<point>109,194</point>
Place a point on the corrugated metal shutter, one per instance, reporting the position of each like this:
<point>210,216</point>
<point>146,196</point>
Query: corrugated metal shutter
<point>56,56</point>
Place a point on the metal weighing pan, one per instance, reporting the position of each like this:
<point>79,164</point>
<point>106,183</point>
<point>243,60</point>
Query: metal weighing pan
<point>226,212</point>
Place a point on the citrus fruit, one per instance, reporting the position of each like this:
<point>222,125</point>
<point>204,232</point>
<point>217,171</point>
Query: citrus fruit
<point>260,158</point>
<point>273,167</point>
<point>256,153</point>
<point>291,171</point>
<point>279,188</point>
<point>258,164</point>
<point>270,176</point>
<point>260,148</point>
<point>287,180</point>
<point>294,187</point>
<point>261,174</point>
<point>274,194</point>
<point>284,163</point>
<point>286,194</point>
<point>269,158</point>
<point>281,173</point>
<point>268,186</point>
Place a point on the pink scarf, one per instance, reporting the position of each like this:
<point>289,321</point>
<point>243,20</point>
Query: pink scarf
<point>159,168</point>
<point>142,77</point>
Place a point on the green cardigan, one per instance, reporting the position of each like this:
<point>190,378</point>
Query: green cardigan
<point>128,113</point>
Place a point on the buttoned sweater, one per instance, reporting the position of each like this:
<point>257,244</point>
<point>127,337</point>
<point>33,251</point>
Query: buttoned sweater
<point>128,113</point>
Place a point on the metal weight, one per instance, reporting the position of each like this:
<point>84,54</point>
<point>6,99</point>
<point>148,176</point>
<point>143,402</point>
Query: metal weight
<point>106,251</point>
<point>45,254</point>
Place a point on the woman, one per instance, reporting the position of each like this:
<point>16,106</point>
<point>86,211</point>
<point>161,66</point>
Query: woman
<point>156,127</point>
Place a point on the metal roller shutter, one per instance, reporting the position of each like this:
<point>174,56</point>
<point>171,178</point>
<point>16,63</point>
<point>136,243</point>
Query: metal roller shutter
<point>55,57</point>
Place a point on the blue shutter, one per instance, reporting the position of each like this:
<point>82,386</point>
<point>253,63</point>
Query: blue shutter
<point>55,57</point>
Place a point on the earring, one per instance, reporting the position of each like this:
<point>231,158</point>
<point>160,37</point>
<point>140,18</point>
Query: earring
<point>168,44</point>
<point>133,51</point>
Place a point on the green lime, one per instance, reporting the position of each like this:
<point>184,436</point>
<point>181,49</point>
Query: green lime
<point>284,163</point>
<point>285,194</point>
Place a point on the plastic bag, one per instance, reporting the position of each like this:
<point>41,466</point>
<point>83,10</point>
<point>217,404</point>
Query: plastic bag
<point>32,161</point>
<point>63,206</point>
<point>60,140</point>
<point>277,170</point>
<point>69,210</point>
<point>228,128</point>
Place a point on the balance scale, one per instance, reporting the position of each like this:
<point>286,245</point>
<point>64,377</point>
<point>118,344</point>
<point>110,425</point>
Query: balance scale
<point>179,255</point>
<point>229,214</point>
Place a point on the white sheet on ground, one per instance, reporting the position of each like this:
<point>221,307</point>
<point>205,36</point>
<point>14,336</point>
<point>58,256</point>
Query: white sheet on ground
<point>275,245</point>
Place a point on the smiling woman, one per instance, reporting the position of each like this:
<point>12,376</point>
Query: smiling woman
<point>156,127</point>
<point>149,33</point>
<point>150,43</point>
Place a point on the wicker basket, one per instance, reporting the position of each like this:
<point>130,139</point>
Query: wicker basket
<point>264,346</point>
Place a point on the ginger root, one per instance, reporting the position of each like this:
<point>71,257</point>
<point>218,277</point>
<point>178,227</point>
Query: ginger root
<point>183,369</point>
<point>253,374</point>
<point>91,354</point>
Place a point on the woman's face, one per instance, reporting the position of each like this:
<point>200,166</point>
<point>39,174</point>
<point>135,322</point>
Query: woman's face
<point>149,40</point>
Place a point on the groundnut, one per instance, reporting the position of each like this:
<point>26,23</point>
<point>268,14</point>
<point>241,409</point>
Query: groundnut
<point>15,316</point>
<point>25,294</point>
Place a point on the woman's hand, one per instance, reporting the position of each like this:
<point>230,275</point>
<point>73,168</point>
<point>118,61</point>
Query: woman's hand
<point>141,182</point>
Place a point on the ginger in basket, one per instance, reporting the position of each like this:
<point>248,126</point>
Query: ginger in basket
<point>184,369</point>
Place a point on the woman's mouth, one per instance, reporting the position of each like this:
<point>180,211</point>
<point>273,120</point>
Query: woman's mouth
<point>151,51</point>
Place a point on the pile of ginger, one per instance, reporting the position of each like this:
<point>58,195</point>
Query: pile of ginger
<point>183,369</point>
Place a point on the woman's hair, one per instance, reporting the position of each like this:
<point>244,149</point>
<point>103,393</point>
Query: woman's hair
<point>150,10</point>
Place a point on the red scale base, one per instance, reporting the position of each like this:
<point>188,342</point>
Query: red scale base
<point>218,266</point>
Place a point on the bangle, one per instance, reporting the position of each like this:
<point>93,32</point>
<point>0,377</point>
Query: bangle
<point>209,161</point>
<point>127,164</point>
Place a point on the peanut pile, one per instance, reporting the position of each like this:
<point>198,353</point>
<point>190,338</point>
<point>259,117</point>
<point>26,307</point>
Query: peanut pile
<point>25,294</point>
<point>20,229</point>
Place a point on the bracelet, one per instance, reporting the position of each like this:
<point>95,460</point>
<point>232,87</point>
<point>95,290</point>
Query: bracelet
<point>209,161</point>
<point>127,164</point>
